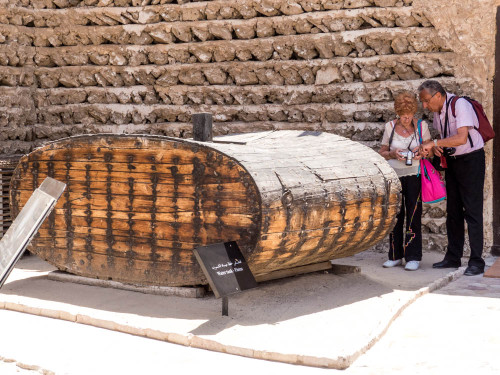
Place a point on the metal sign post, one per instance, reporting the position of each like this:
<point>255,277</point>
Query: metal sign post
<point>225,306</point>
<point>226,270</point>
<point>27,223</point>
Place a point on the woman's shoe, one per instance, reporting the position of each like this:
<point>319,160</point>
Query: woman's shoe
<point>412,265</point>
<point>392,263</point>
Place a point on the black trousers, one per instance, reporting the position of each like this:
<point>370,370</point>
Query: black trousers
<point>408,243</point>
<point>464,188</point>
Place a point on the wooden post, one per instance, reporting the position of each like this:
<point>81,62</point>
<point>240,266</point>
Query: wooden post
<point>202,127</point>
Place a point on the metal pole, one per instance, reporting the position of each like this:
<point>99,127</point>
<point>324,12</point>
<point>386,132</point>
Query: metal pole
<point>225,306</point>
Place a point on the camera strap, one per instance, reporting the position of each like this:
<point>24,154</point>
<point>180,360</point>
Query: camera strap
<point>411,140</point>
<point>444,131</point>
<point>391,137</point>
<point>392,132</point>
<point>415,135</point>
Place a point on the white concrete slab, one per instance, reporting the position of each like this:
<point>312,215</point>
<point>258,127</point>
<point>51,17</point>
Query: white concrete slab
<point>320,320</point>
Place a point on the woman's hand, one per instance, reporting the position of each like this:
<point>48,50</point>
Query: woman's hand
<point>417,155</point>
<point>396,154</point>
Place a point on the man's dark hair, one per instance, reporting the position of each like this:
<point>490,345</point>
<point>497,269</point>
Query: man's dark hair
<point>432,87</point>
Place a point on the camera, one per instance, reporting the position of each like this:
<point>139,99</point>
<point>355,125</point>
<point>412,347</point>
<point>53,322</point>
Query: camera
<point>448,151</point>
<point>409,157</point>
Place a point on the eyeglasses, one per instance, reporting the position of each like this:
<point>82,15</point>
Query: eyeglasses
<point>426,101</point>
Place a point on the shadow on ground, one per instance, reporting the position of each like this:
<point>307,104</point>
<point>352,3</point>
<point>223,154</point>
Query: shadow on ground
<point>270,303</point>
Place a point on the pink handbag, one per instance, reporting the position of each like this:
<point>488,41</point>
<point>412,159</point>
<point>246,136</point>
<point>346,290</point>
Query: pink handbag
<point>433,188</point>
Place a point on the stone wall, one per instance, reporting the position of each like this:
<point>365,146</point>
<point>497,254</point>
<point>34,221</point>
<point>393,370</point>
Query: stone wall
<point>469,28</point>
<point>144,66</point>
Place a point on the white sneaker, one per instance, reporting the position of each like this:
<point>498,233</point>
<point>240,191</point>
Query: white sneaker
<point>392,263</point>
<point>412,265</point>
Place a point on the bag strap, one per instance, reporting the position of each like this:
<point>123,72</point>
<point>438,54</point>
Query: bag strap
<point>453,112</point>
<point>453,105</point>
<point>422,169</point>
<point>392,133</point>
<point>419,127</point>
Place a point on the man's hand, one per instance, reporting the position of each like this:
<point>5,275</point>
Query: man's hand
<point>438,151</point>
<point>426,147</point>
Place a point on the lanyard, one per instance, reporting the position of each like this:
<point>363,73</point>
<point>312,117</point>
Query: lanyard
<point>444,132</point>
<point>413,137</point>
<point>411,141</point>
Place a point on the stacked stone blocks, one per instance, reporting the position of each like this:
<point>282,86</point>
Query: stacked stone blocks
<point>145,66</point>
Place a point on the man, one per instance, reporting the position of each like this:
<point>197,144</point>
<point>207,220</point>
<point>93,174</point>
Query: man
<point>462,146</point>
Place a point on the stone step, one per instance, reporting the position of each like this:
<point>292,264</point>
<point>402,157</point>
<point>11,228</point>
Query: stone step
<point>358,92</point>
<point>293,72</point>
<point>364,43</point>
<point>106,14</point>
<point>8,116</point>
<point>13,147</point>
<point>362,122</point>
<point>358,131</point>
<point>194,32</point>
<point>24,140</point>
<point>16,97</point>
<point>138,113</point>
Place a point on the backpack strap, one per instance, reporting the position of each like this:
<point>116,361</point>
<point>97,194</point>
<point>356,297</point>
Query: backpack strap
<point>453,112</point>
<point>392,133</point>
<point>453,105</point>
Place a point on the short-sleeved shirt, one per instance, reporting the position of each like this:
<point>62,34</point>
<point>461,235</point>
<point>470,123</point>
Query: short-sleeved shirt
<point>465,116</point>
<point>404,143</point>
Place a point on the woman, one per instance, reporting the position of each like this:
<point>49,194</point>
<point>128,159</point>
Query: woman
<point>400,137</point>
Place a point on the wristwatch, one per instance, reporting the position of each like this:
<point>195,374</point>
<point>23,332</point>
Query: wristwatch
<point>436,142</point>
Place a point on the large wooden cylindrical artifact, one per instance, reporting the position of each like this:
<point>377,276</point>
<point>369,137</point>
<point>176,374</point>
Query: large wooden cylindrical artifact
<point>136,206</point>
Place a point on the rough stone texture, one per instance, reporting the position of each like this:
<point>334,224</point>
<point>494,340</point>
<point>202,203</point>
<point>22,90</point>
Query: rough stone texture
<point>87,66</point>
<point>469,28</point>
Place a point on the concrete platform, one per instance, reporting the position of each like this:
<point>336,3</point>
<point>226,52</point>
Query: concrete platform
<point>322,320</point>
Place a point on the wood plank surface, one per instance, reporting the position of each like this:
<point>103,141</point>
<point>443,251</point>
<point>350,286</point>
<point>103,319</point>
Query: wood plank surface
<point>136,206</point>
<point>323,266</point>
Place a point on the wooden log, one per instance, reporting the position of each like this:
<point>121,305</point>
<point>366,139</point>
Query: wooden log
<point>136,206</point>
<point>281,274</point>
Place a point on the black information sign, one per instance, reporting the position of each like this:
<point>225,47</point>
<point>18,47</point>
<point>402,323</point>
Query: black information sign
<point>225,268</point>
